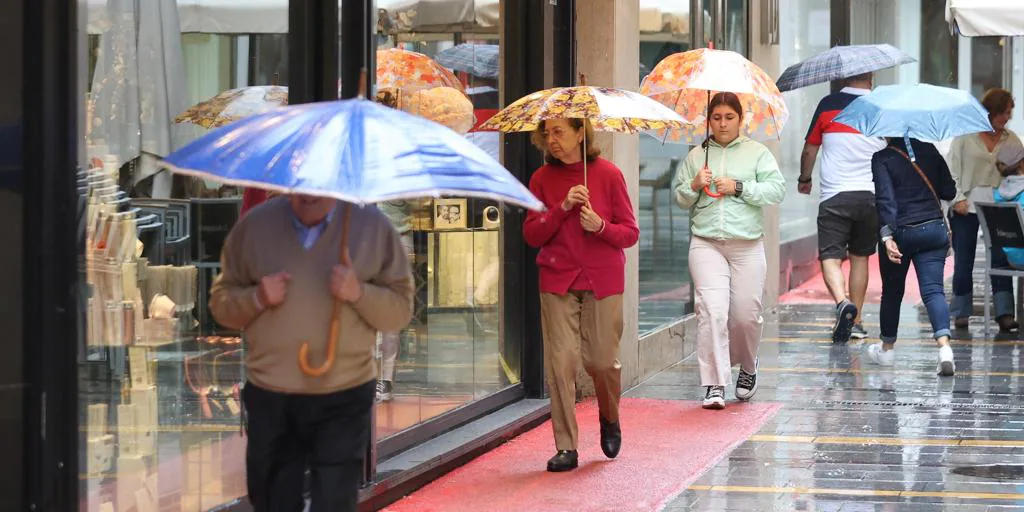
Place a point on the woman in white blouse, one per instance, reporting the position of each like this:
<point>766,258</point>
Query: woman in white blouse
<point>972,161</point>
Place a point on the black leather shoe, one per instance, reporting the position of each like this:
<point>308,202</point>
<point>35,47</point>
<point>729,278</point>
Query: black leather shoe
<point>611,438</point>
<point>564,460</point>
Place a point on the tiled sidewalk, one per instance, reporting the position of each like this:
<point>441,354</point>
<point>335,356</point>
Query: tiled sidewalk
<point>854,437</point>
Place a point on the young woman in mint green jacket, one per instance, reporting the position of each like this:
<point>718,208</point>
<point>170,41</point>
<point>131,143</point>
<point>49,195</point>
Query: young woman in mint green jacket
<point>727,255</point>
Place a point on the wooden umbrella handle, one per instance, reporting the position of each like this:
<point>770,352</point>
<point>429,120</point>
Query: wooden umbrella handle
<point>335,332</point>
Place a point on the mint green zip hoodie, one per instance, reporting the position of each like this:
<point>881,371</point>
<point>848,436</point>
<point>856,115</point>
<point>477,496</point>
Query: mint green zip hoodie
<point>731,217</point>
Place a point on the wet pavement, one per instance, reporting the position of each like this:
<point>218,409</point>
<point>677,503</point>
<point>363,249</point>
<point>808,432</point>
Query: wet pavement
<point>852,436</point>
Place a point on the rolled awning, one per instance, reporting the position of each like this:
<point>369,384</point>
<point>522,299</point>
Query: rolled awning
<point>986,17</point>
<point>271,16</point>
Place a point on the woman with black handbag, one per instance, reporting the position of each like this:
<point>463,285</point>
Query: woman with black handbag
<point>908,194</point>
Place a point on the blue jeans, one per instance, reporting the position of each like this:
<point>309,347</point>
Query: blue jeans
<point>926,245</point>
<point>965,243</point>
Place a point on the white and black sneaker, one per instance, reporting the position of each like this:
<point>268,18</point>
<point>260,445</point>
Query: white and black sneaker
<point>846,313</point>
<point>714,398</point>
<point>384,390</point>
<point>858,332</point>
<point>746,385</point>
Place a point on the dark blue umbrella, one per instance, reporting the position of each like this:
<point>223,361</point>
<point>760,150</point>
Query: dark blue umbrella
<point>354,150</point>
<point>841,62</point>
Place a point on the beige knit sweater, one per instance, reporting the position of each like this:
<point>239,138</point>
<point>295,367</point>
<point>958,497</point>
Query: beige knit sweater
<point>264,242</point>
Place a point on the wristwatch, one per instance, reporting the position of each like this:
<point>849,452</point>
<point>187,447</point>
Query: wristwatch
<point>739,189</point>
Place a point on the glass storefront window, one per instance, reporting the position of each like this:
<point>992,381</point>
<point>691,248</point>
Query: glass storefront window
<point>804,32</point>
<point>665,292</point>
<point>453,352</point>
<point>159,379</point>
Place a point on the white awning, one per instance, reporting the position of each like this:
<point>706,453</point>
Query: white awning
<point>665,16</point>
<point>271,16</point>
<point>986,17</point>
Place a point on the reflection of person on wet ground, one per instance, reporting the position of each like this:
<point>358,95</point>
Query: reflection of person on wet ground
<point>582,239</point>
<point>727,253</point>
<point>912,229</point>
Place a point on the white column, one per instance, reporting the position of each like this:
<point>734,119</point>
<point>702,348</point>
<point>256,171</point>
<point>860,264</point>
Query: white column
<point>608,53</point>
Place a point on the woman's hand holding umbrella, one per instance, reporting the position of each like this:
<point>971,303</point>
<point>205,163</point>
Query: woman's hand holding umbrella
<point>577,195</point>
<point>590,220</point>
<point>725,186</point>
<point>702,181</point>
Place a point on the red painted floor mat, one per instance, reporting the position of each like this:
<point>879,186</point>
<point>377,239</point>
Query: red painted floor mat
<point>814,291</point>
<point>666,446</point>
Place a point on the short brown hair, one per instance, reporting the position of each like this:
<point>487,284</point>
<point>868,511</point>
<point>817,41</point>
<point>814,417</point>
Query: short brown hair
<point>591,151</point>
<point>997,101</point>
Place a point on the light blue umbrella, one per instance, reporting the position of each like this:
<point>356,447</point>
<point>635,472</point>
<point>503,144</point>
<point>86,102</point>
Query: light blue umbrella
<point>919,111</point>
<point>352,150</point>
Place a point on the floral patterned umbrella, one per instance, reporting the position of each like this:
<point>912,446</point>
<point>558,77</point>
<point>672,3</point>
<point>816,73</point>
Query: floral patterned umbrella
<point>685,82</point>
<point>411,72</point>
<point>609,110</point>
<point>230,106</point>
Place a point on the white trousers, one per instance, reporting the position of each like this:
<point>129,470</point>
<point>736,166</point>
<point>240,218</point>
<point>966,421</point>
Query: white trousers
<point>729,278</point>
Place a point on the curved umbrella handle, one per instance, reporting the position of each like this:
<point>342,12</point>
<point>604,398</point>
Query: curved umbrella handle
<point>710,193</point>
<point>332,340</point>
<point>332,346</point>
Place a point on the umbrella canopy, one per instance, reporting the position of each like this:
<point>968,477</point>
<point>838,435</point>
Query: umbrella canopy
<point>476,59</point>
<point>230,106</point>
<point>410,72</point>
<point>919,111</point>
<point>841,62</point>
<point>985,17</point>
<point>354,150</point>
<point>610,110</point>
<point>685,82</point>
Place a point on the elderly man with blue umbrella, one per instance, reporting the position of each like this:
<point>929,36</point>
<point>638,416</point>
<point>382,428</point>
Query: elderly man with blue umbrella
<point>316,265</point>
<point>911,181</point>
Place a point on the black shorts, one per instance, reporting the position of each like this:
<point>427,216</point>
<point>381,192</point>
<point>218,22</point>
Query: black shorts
<point>847,222</point>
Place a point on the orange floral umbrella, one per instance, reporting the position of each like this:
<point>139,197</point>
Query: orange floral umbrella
<point>685,82</point>
<point>411,72</point>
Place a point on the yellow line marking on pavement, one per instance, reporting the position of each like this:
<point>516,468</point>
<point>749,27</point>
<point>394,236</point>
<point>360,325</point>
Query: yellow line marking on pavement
<point>859,492</point>
<point>857,371</point>
<point>916,341</point>
<point>884,441</point>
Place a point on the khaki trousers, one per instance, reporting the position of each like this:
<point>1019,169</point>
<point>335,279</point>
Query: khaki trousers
<point>578,326</point>
<point>729,279</point>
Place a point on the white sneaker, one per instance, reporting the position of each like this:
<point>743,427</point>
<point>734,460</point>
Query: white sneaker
<point>879,356</point>
<point>946,367</point>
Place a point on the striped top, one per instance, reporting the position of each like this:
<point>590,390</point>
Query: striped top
<point>845,152</point>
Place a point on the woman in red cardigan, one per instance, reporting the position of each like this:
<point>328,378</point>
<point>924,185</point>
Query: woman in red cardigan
<point>582,239</point>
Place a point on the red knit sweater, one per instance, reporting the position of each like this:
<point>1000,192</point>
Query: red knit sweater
<point>565,250</point>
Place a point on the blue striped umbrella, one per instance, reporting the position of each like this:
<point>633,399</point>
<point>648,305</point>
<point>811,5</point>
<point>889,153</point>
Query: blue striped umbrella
<point>841,62</point>
<point>352,150</point>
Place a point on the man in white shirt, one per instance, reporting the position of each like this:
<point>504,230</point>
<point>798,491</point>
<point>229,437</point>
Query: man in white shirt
<point>847,220</point>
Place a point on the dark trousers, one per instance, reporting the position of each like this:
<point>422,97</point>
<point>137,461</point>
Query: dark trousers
<point>965,242</point>
<point>328,434</point>
<point>926,246</point>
